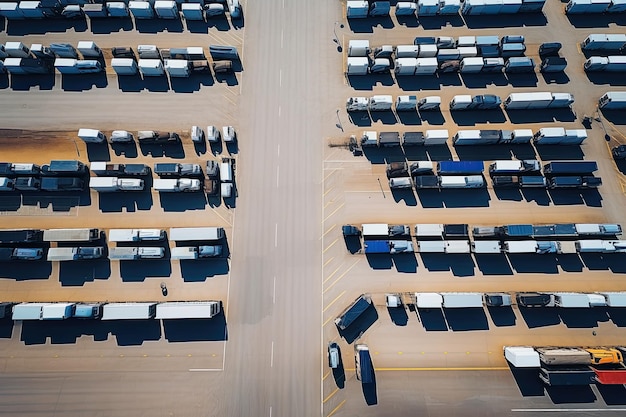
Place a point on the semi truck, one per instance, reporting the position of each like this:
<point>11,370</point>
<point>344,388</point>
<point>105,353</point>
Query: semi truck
<point>107,169</point>
<point>613,100</point>
<point>514,167</point>
<point>615,299</point>
<point>21,236</point>
<point>128,311</point>
<point>196,252</point>
<point>538,100</point>
<point>460,167</point>
<point>353,311</point>
<point>373,230</point>
<point>579,356</point>
<point>112,184</point>
<point>88,311</point>
<point>57,311</point>
<point>187,310</point>
<point>75,254</point>
<point>196,233</point>
<point>566,375</point>
<point>61,184</point>
<point>137,253</point>
<point>176,185</point>
<point>615,63</point>
<point>71,235</point>
<point>571,300</point>
<point>67,168</point>
<point>560,168</point>
<point>363,361</point>
<point>169,170</point>
<point>21,254</point>
<point>12,170</point>
<point>136,235</point>
<point>153,136</point>
<point>471,181</point>
<point>534,299</point>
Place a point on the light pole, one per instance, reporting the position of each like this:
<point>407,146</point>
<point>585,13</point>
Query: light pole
<point>336,40</point>
<point>339,125</point>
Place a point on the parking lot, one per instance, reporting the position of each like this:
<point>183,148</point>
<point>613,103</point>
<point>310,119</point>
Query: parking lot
<point>356,191</point>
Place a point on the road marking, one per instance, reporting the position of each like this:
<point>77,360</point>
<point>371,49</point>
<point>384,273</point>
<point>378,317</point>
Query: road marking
<point>277,174</point>
<point>331,395</point>
<point>329,246</point>
<point>336,408</point>
<point>205,370</point>
<point>328,191</point>
<point>274,295</point>
<point>341,276</point>
<point>331,228</point>
<point>279,111</point>
<point>331,274</point>
<point>328,261</point>
<point>326,376</point>
<point>272,356</point>
<point>282,37</point>
<point>332,302</point>
<point>478,368</point>
<point>276,236</point>
<point>336,210</point>
<point>270,411</point>
<point>278,151</point>
<point>280,78</point>
<point>561,410</point>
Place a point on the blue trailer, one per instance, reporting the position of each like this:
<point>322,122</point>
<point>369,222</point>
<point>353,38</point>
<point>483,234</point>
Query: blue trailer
<point>461,167</point>
<point>353,312</point>
<point>569,168</point>
<point>377,246</point>
<point>518,230</point>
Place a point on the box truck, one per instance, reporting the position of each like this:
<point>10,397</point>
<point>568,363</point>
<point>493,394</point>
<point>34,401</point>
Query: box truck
<point>363,361</point>
<point>131,254</point>
<point>75,254</point>
<point>353,311</point>
<point>136,235</point>
<point>462,300</point>
<point>522,356</point>
<point>196,252</point>
<point>71,235</point>
<point>111,184</point>
<point>187,310</point>
<point>128,311</point>
<point>196,233</point>
<point>57,311</point>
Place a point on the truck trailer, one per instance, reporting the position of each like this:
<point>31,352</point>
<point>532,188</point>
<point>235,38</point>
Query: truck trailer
<point>135,253</point>
<point>136,235</point>
<point>71,235</point>
<point>196,233</point>
<point>353,312</point>
<point>75,254</point>
<point>187,310</point>
<point>128,311</point>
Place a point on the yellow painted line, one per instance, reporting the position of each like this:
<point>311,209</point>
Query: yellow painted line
<point>330,395</point>
<point>331,228</point>
<point>328,261</point>
<point>331,173</point>
<point>329,203</point>
<point>326,376</point>
<point>228,99</point>
<point>336,408</point>
<point>341,276</point>
<point>326,322</point>
<point>329,246</point>
<point>328,191</point>
<point>478,368</point>
<point>332,302</point>
<point>336,210</point>
<point>331,275</point>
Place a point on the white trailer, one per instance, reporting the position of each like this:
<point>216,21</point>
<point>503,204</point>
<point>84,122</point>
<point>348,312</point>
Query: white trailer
<point>462,300</point>
<point>128,311</point>
<point>358,47</point>
<point>166,9</point>
<point>136,235</point>
<point>457,246</point>
<point>74,254</point>
<point>89,49</point>
<point>594,246</point>
<point>428,300</point>
<point>486,246</point>
<point>173,185</point>
<point>151,67</point>
<point>117,9</point>
<point>432,246</point>
<point>521,101</point>
<point>111,184</point>
<point>91,135</point>
<point>521,136</point>
<point>187,310</point>
<point>124,66</point>
<point>357,9</point>
<point>522,356</point>
<point>469,181</point>
<point>426,66</point>
<point>377,229</point>
<point>357,66</point>
<point>16,50</point>
<point>380,103</point>
<point>197,233</point>
<point>427,51</point>
<point>70,235</point>
<point>428,230</point>
<point>356,104</point>
<point>615,299</point>
<point>612,100</point>
<point>436,137</point>
<point>57,311</point>
<point>405,66</point>
<point>27,311</point>
<point>193,11</point>
<point>571,300</point>
<point>471,65</point>
<point>520,246</point>
<point>178,67</point>
<point>407,51</point>
<point>406,103</point>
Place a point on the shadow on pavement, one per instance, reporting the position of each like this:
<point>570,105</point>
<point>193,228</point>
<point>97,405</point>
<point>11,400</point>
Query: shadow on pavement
<point>571,394</point>
<point>583,317</point>
<point>398,315</point>
<point>196,330</point>
<point>502,316</point>
<point>540,317</point>
<point>360,325</point>
<point>432,319</point>
<point>612,394</point>
<point>528,382</point>
<point>466,319</point>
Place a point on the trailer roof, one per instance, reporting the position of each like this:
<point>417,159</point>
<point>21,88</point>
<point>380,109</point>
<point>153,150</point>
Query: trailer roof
<point>428,300</point>
<point>186,310</point>
<point>522,356</point>
<point>462,299</point>
<point>376,229</point>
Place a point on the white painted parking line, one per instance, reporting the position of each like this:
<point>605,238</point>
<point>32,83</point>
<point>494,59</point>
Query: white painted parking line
<point>278,151</point>
<point>205,370</point>
<point>274,292</point>
<point>276,236</point>
<point>270,411</point>
<point>277,175</point>
<point>272,356</point>
<point>280,78</point>
<point>282,38</point>
<point>279,111</point>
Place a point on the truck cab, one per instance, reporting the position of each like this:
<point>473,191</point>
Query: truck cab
<point>177,170</point>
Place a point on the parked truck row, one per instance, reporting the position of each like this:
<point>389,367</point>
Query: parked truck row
<point>111,311</point>
<point>87,57</point>
<point>571,366</point>
<point>159,9</point>
<point>359,9</point>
